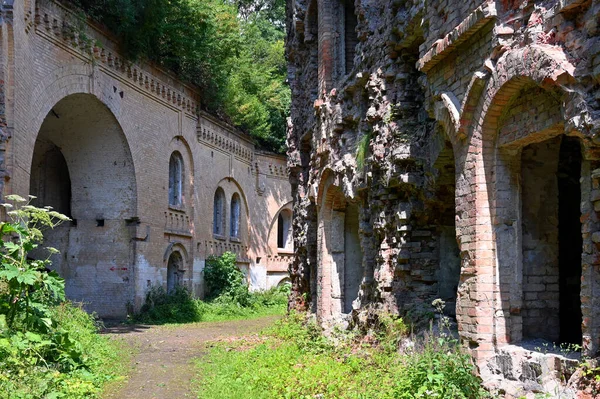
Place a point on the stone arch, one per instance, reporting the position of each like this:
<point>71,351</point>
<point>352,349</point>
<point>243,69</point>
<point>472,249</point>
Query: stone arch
<point>96,245</point>
<point>495,188</point>
<point>180,145</point>
<point>274,226</point>
<point>176,262</point>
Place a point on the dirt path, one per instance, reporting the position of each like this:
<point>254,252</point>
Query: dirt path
<point>162,367</point>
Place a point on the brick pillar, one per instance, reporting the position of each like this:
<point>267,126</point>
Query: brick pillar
<point>590,266</point>
<point>326,45</point>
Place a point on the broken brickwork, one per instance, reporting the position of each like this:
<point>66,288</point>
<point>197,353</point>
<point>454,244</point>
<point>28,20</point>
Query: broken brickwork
<point>464,135</point>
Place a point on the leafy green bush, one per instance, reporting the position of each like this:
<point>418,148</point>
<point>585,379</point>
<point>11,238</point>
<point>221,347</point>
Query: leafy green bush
<point>223,277</point>
<point>48,347</point>
<point>180,307</point>
<point>228,298</point>
<point>176,307</point>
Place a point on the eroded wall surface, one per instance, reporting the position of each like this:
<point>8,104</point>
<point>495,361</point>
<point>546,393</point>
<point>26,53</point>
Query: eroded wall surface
<point>92,134</point>
<point>487,92</point>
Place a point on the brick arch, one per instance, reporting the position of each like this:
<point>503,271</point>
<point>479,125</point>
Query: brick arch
<point>544,65</point>
<point>59,84</point>
<point>177,246</point>
<point>180,146</point>
<point>180,276</point>
<point>340,264</point>
<point>324,181</point>
<point>330,196</point>
<point>240,191</point>
<point>328,179</point>
<point>488,225</point>
<point>272,239</point>
<point>179,143</point>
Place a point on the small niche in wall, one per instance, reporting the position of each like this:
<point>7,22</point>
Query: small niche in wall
<point>99,222</point>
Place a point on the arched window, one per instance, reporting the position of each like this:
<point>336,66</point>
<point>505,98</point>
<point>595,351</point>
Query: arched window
<point>284,229</point>
<point>234,228</point>
<point>175,179</point>
<point>219,213</point>
<point>174,271</point>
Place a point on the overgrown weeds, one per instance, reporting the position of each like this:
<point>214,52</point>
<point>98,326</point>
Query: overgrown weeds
<point>295,360</point>
<point>228,298</point>
<point>48,347</point>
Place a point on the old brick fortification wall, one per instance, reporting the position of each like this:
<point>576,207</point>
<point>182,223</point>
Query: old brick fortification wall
<point>479,124</point>
<point>94,135</point>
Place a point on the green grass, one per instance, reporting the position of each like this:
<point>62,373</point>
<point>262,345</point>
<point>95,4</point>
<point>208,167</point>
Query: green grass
<point>103,360</point>
<point>180,307</point>
<point>293,360</point>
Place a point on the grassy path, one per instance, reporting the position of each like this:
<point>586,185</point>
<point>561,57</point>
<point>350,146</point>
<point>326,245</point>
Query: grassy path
<point>162,366</point>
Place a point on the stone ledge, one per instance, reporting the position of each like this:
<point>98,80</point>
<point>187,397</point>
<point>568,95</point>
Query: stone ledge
<point>442,47</point>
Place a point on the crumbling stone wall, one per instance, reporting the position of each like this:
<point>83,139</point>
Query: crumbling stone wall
<point>477,82</point>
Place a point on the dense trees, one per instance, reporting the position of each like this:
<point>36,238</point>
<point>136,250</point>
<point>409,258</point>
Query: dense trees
<point>232,49</point>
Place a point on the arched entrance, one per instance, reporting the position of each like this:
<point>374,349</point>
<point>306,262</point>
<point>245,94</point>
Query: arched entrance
<point>340,266</point>
<point>174,272</point>
<point>82,166</point>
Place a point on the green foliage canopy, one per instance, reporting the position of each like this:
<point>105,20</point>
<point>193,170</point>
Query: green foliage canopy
<point>233,50</point>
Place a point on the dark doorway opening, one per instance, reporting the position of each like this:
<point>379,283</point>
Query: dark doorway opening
<point>570,241</point>
<point>50,180</point>
<point>445,220</point>
<point>551,240</point>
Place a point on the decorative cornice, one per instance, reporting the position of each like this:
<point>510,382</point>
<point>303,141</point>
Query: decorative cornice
<point>227,144</point>
<point>62,31</point>
<point>217,134</point>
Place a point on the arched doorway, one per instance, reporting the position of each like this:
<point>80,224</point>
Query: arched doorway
<point>174,272</point>
<point>82,166</point>
<point>340,266</point>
